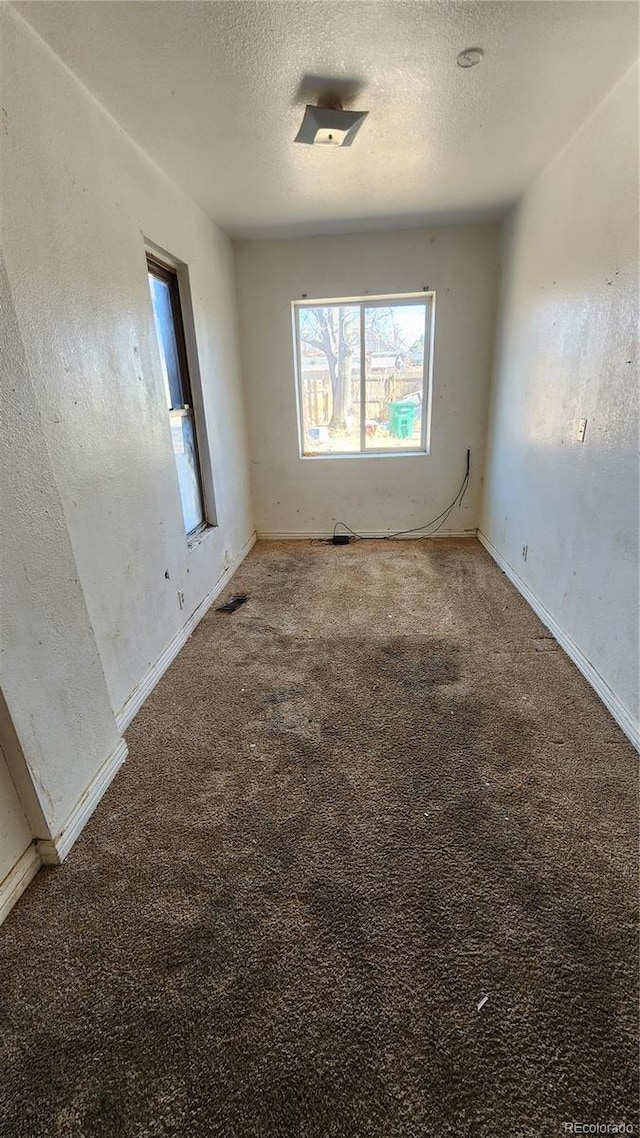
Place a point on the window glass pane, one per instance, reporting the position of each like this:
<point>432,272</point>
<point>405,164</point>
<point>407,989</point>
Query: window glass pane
<point>394,375</point>
<point>184,449</point>
<point>163,313</point>
<point>329,342</point>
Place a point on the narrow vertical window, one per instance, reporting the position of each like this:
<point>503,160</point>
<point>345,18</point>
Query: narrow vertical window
<point>165,298</point>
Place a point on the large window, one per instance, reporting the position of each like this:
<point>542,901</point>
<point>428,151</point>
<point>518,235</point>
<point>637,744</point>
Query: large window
<point>165,297</point>
<point>364,374</point>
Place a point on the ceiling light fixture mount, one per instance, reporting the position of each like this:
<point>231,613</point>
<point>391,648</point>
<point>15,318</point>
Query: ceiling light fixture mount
<point>329,124</point>
<point>470,57</point>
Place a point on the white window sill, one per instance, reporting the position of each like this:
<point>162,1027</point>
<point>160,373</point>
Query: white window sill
<point>367,454</point>
<point>200,535</point>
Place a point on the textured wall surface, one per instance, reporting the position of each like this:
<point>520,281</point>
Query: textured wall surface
<point>50,672</point>
<point>79,199</point>
<point>294,495</point>
<point>567,350</point>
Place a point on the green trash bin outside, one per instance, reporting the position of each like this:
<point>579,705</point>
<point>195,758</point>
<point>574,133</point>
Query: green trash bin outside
<point>401,419</point>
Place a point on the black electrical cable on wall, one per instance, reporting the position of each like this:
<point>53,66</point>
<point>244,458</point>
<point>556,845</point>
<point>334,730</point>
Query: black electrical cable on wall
<point>440,518</point>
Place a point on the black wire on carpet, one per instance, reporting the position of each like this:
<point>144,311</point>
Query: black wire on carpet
<point>441,518</point>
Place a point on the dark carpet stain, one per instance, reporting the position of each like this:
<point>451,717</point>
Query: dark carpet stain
<point>349,812</point>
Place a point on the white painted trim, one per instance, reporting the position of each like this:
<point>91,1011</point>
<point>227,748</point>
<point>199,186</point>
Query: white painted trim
<point>611,701</point>
<point>17,879</point>
<point>138,696</point>
<point>54,850</point>
<point>399,297</point>
<point>363,533</point>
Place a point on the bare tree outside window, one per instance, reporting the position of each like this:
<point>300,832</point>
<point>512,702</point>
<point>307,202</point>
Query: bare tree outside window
<point>364,370</point>
<point>335,331</point>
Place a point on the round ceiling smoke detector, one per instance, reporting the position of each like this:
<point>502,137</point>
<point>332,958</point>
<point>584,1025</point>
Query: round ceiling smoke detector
<point>469,57</point>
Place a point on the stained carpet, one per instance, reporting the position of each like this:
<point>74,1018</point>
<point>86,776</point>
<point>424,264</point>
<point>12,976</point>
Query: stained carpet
<point>374,795</point>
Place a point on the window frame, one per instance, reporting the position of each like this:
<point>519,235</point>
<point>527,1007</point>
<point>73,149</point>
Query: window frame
<point>381,300</point>
<point>173,273</point>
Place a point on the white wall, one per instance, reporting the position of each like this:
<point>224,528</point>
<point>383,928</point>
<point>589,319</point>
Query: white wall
<point>78,200</point>
<point>92,545</point>
<point>297,496</point>
<point>53,694</point>
<point>567,350</point>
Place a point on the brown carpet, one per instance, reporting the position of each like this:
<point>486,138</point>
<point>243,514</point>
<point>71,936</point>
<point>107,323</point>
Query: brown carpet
<point>370,797</point>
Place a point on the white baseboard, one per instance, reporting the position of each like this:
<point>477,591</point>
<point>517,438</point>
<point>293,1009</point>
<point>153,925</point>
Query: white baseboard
<point>138,696</point>
<point>617,709</point>
<point>16,881</point>
<point>54,850</point>
<point>363,533</point>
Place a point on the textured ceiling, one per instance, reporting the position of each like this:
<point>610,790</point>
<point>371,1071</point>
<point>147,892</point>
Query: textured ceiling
<point>215,93</point>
